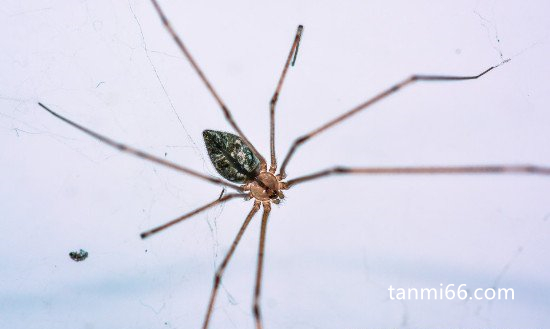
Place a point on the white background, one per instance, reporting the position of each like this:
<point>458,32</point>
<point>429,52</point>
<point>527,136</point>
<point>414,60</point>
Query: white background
<point>335,245</point>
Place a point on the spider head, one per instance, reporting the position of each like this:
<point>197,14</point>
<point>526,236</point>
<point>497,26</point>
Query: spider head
<point>266,187</point>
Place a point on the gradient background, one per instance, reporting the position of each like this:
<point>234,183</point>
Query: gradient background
<point>335,245</point>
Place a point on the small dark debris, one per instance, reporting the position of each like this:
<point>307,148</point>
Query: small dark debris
<point>78,256</point>
<point>165,154</point>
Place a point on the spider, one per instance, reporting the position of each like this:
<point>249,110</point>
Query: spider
<point>246,171</point>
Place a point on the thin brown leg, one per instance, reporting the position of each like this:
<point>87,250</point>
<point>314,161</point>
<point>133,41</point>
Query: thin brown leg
<point>256,306</point>
<point>414,78</point>
<point>192,213</point>
<point>273,103</point>
<point>209,86</point>
<point>223,265</point>
<point>494,169</point>
<point>140,154</point>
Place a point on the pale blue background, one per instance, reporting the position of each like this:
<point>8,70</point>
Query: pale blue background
<point>334,246</point>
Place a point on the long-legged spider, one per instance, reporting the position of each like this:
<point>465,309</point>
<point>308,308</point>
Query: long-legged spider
<point>237,160</point>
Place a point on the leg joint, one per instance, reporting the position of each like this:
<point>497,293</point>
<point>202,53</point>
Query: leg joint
<point>217,278</point>
<point>340,170</point>
<point>301,140</point>
<point>274,99</point>
<point>256,310</point>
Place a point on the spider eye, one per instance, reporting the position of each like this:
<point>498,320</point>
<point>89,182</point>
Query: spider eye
<point>231,157</point>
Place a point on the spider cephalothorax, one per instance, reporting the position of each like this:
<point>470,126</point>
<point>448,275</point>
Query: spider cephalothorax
<point>265,187</point>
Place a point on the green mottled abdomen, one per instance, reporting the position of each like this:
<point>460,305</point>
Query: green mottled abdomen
<point>231,157</point>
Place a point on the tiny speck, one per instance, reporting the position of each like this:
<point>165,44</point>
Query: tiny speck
<point>165,153</point>
<point>78,256</point>
<point>458,51</point>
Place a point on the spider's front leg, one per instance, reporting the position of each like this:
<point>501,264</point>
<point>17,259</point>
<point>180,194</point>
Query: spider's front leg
<point>223,265</point>
<point>492,169</point>
<point>384,94</point>
<point>259,269</point>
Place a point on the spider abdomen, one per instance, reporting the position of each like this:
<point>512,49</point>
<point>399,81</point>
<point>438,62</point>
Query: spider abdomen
<point>231,157</point>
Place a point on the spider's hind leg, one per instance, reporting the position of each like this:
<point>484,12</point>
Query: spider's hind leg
<point>138,153</point>
<point>192,213</point>
<point>209,86</point>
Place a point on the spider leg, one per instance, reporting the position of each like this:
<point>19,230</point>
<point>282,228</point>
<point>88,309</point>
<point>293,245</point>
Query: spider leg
<point>259,269</point>
<point>493,169</point>
<point>408,81</point>
<point>222,193</point>
<point>273,103</point>
<point>157,229</point>
<point>209,86</point>
<point>223,265</point>
<point>140,154</point>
